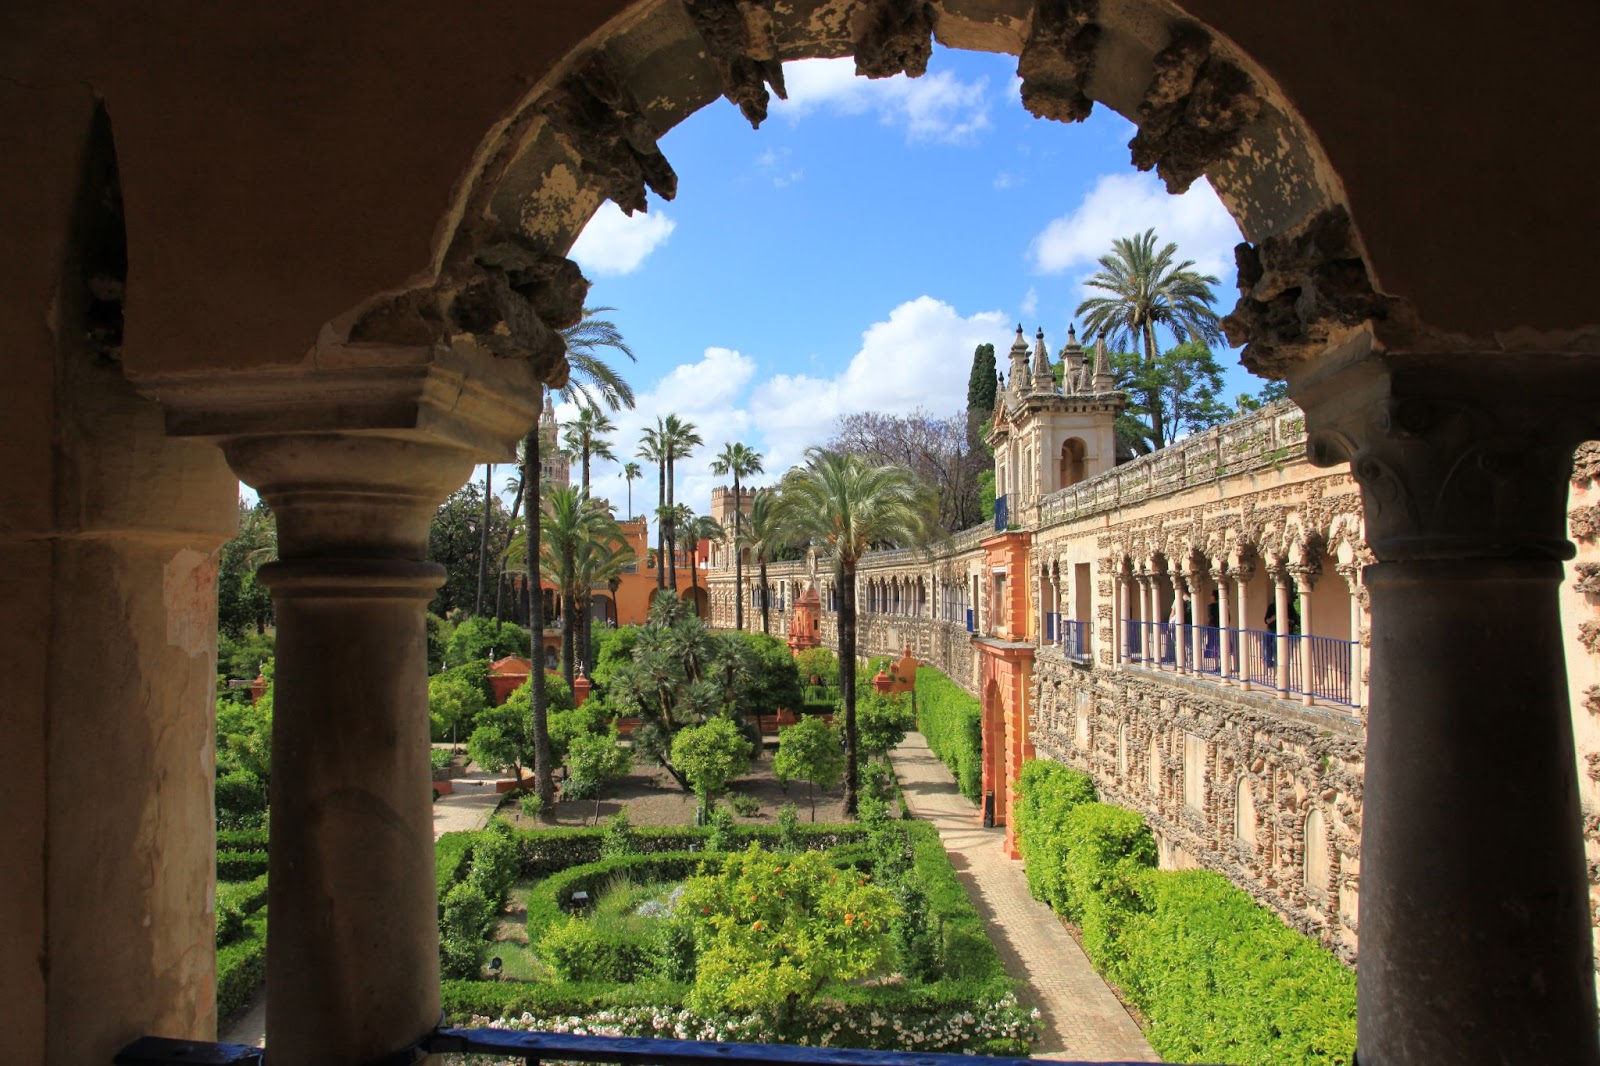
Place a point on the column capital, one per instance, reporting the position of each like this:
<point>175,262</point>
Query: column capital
<point>1458,455</point>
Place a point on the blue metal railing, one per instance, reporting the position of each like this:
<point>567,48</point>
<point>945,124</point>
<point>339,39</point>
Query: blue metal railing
<point>1050,626</point>
<point>1320,667</point>
<point>1000,519</point>
<point>534,1048</point>
<point>969,620</point>
<point>1075,639</point>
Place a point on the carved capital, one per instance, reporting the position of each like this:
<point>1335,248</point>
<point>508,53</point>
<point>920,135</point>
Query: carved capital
<point>894,37</point>
<point>1458,455</point>
<point>738,36</point>
<point>1586,578</point>
<point>1585,522</point>
<point>607,130</point>
<point>1586,463</point>
<point>1194,109</point>
<point>1058,59</point>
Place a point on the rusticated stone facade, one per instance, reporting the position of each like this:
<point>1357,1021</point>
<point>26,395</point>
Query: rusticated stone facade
<point>1233,774</point>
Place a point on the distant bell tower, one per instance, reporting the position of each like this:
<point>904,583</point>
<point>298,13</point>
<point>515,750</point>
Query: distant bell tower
<point>1046,436</point>
<point>554,465</point>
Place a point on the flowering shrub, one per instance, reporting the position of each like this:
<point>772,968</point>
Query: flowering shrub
<point>995,1026</point>
<point>770,929</point>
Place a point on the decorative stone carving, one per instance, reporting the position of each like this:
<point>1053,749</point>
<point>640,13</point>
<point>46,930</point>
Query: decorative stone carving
<point>896,37</point>
<point>1586,463</point>
<point>594,112</point>
<point>738,36</point>
<point>1591,699</point>
<point>1057,60</point>
<point>1584,522</point>
<point>1589,637</point>
<point>1295,289</point>
<point>1193,110</point>
<point>1586,578</point>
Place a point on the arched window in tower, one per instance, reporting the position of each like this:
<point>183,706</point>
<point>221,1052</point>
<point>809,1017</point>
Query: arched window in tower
<point>1074,461</point>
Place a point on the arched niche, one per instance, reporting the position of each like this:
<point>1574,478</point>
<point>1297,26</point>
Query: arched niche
<point>1074,461</point>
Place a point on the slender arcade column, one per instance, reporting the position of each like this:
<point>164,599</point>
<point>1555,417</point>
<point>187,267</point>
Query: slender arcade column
<point>1475,939</point>
<point>1280,642</point>
<point>1225,634</point>
<point>1246,641</point>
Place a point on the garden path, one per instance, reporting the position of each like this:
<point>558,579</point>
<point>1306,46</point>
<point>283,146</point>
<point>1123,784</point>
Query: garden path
<point>467,808</point>
<point>1082,1017</point>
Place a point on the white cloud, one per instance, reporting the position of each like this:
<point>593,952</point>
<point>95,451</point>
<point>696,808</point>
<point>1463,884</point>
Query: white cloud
<point>938,107</point>
<point>1123,205</point>
<point>774,164</point>
<point>613,244</point>
<point>1030,302</point>
<point>1006,180</point>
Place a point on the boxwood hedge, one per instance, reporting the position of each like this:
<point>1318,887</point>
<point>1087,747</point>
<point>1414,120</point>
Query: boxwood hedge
<point>952,723</point>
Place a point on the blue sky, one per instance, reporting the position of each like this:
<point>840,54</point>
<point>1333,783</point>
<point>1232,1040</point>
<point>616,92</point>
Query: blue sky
<point>852,252</point>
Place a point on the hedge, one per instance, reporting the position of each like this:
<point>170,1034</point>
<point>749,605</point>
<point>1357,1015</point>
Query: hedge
<point>548,900</point>
<point>240,865</point>
<point>1217,976</point>
<point>952,723</point>
<point>965,951</point>
<point>241,967</point>
<point>237,901</point>
<point>242,840</point>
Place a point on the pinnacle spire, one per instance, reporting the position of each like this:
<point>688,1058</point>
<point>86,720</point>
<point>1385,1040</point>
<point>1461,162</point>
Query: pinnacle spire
<point>1103,381</point>
<point>1044,380</point>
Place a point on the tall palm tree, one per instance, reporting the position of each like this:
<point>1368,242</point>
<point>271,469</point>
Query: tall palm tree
<point>630,474</point>
<point>679,440</point>
<point>653,449</point>
<point>1148,290</point>
<point>573,531</point>
<point>740,461</point>
<point>586,438</point>
<point>593,382</point>
<point>601,564</point>
<point>513,486</point>
<point>763,534</point>
<point>699,528</point>
<point>483,538</point>
<point>848,506</point>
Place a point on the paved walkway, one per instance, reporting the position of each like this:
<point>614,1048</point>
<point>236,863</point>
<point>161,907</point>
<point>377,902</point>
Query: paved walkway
<point>1082,1018</point>
<point>468,807</point>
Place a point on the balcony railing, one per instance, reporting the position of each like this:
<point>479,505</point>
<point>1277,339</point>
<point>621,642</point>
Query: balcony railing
<point>1074,639</point>
<point>970,625</point>
<point>1000,519</point>
<point>534,1048</point>
<point>1320,667</point>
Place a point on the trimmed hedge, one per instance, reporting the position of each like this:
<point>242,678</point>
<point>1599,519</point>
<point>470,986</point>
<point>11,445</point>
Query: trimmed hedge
<point>237,901</point>
<point>242,840</point>
<point>1218,977</point>
<point>952,723</point>
<point>241,967</point>
<point>240,865</point>
<point>547,902</point>
<point>965,951</point>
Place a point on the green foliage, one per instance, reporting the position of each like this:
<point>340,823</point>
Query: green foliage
<point>986,494</point>
<point>504,736</point>
<point>531,804</point>
<point>1183,385</point>
<point>484,638</point>
<point>720,822</point>
<point>882,721</point>
<point>240,865</point>
<point>613,651</point>
<point>618,839</point>
<point>455,699</point>
<point>496,862</point>
<point>595,760</point>
<point>744,806</point>
<point>809,751</point>
<point>438,759</point>
<point>241,967</point>
<point>982,388</point>
<point>1219,978</point>
<point>789,839</point>
<point>236,903</point>
<point>241,799</point>
<point>439,631</point>
<point>467,914</point>
<point>243,604</point>
<point>711,755</point>
<point>771,929</point>
<point>766,677</point>
<point>452,858</point>
<point>1047,793</point>
<point>240,658</point>
<point>952,723</point>
<point>242,840</point>
<point>455,542</point>
<point>580,949</point>
<point>818,662</point>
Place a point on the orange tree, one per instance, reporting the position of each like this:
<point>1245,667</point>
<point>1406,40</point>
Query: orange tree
<point>771,929</point>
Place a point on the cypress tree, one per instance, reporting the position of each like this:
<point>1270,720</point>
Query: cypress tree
<point>980,390</point>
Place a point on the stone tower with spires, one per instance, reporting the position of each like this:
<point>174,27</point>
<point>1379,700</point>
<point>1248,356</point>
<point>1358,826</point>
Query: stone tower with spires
<point>555,466</point>
<point>1046,436</point>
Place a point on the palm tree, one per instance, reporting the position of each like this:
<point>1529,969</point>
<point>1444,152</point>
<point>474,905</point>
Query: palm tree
<point>592,382</point>
<point>630,474</point>
<point>573,531</point>
<point>849,506</point>
<point>763,535</point>
<point>740,461</point>
<point>1148,290</point>
<point>699,528</point>
<point>653,449</point>
<point>679,440</point>
<point>483,539</point>
<point>513,486</point>
<point>585,438</point>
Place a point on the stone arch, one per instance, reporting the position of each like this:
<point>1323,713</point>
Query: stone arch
<point>1318,856</point>
<point>1073,461</point>
<point>699,598</point>
<point>1244,813</point>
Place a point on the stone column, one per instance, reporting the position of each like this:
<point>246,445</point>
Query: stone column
<point>1119,614</point>
<point>1305,580</point>
<point>1241,581</point>
<point>1224,621</point>
<point>1475,928</point>
<point>364,444</point>
<point>1352,580</point>
<point>1280,643</point>
<point>1180,635</point>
